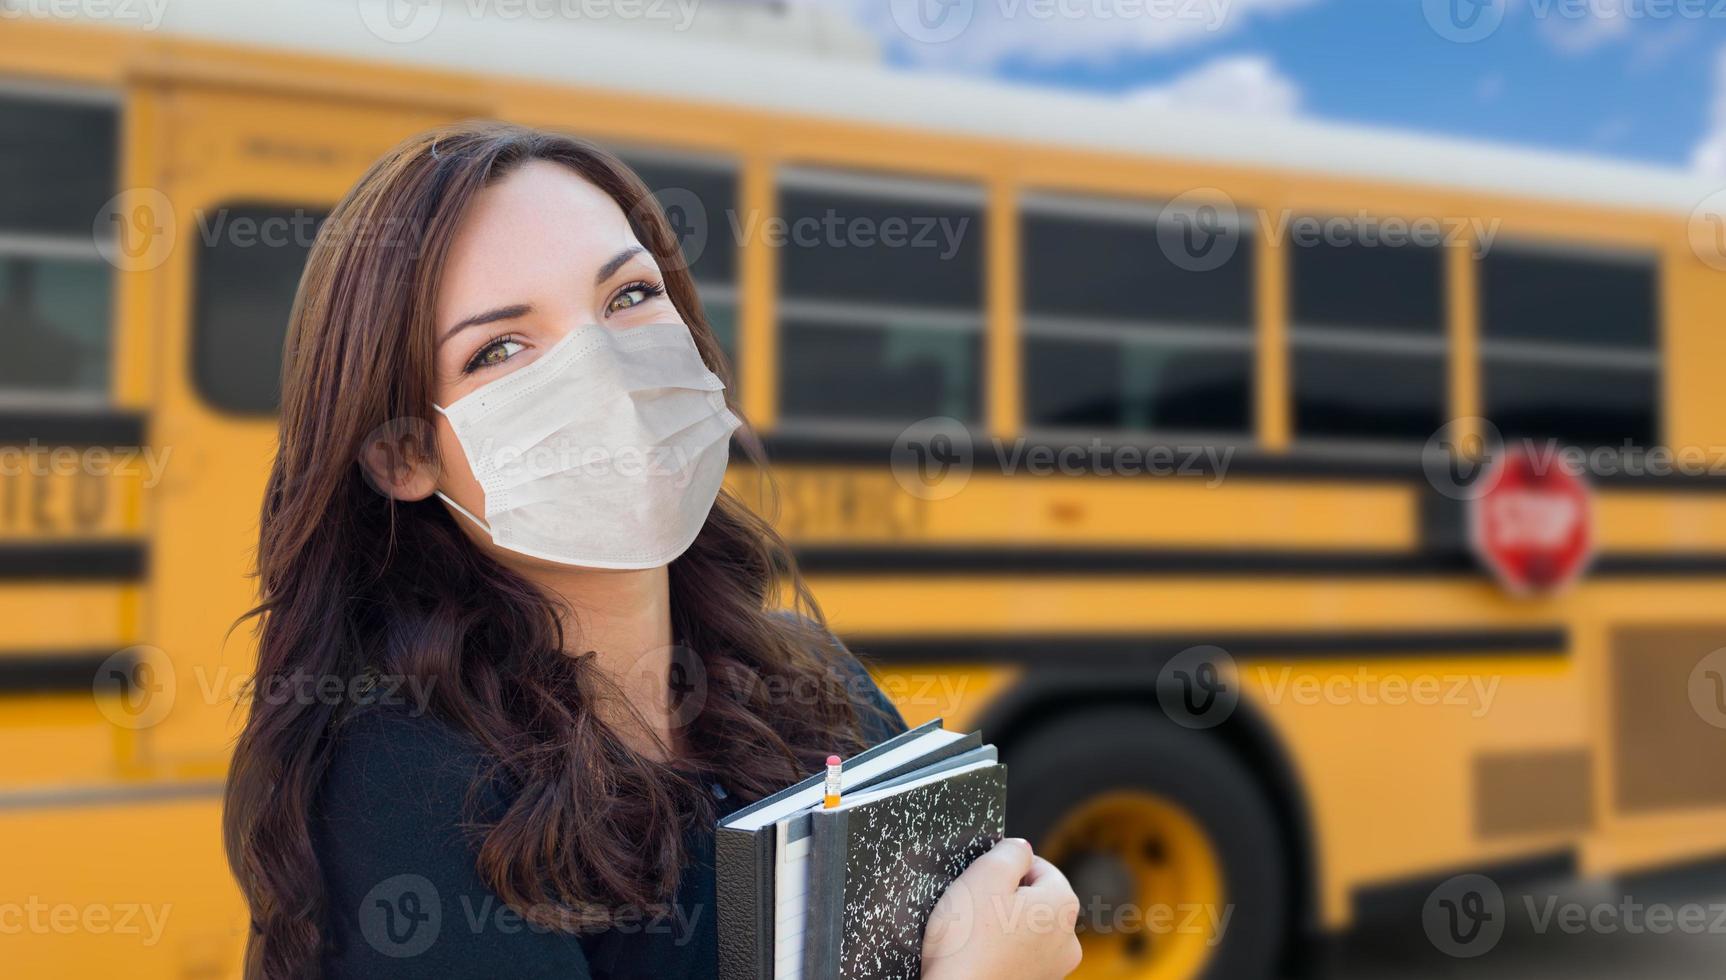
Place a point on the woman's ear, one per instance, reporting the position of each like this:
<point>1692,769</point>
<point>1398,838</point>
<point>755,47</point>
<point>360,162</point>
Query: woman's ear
<point>400,460</point>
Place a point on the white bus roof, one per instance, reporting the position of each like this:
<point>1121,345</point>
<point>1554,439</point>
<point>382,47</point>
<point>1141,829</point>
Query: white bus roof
<point>808,68</point>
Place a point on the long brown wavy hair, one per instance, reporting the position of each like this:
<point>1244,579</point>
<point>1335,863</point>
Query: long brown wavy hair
<point>354,583</point>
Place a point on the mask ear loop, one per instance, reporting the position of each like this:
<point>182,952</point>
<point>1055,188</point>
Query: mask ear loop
<point>446,498</point>
<point>463,511</point>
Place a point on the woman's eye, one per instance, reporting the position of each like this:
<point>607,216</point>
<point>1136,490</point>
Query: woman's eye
<point>494,353</point>
<point>633,295</point>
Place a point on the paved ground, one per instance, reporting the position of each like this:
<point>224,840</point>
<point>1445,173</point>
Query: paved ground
<point>1606,937</point>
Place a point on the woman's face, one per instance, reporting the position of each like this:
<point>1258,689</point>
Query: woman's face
<point>539,254</point>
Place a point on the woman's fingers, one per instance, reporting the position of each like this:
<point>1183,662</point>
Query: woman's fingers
<point>1001,869</point>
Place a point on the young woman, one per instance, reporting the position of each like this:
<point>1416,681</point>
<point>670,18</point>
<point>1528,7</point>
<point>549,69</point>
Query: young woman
<point>540,639</point>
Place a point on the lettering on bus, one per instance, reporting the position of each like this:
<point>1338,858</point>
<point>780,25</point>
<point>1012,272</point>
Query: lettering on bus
<point>848,505</point>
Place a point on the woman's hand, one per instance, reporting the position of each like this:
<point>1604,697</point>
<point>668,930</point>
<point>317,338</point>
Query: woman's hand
<point>1010,915</point>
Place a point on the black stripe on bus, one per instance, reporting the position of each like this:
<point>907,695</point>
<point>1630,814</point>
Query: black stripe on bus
<point>106,561</point>
<point>63,672</point>
<point>1116,650</point>
<point>927,561</point>
<point>53,428</point>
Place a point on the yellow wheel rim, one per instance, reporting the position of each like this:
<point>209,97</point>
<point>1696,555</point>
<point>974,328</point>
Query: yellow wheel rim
<point>1151,884</point>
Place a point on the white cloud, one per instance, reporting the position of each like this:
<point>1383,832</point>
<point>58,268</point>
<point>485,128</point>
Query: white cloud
<point>1052,31</point>
<point>1247,84</point>
<point>1709,156</point>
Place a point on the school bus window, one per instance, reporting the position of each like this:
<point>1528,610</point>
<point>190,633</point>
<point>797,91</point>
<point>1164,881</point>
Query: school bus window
<point>1569,346</point>
<point>58,165</point>
<point>57,171</point>
<point>1367,336</point>
<point>700,202</point>
<point>248,268</point>
<point>881,309</point>
<point>1125,329</point>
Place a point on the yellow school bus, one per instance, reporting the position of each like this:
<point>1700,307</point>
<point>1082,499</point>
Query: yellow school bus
<point>1071,405</point>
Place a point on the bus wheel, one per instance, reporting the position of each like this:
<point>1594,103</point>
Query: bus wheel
<point>1167,839</point>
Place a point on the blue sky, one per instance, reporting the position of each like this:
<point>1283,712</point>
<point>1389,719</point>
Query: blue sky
<point>1635,79</point>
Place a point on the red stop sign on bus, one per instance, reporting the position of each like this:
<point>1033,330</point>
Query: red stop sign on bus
<point>1532,524</point>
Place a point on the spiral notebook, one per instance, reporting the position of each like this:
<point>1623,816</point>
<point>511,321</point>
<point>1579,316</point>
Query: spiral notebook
<point>763,852</point>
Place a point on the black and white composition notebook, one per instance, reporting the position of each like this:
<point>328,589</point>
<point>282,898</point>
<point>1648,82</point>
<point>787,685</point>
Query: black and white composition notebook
<point>806,891</point>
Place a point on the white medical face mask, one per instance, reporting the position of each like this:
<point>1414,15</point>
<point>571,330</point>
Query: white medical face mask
<point>607,452</point>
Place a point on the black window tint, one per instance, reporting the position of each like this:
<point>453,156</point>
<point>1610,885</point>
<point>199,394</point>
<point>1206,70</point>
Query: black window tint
<point>1098,268</point>
<point>878,372</point>
<point>54,317</point>
<point>246,277</point>
<point>1580,406</point>
<point>701,205</point>
<point>1137,385</point>
<point>58,165</point>
<point>1368,394</point>
<point>842,246</point>
<point>1337,282</point>
<point>1543,296</point>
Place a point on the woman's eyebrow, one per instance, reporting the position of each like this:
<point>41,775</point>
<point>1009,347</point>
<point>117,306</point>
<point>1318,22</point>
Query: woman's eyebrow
<point>615,263</point>
<point>490,316</point>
